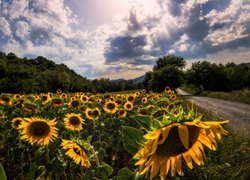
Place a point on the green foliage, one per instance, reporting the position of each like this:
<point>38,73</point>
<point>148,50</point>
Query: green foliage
<point>166,72</point>
<point>132,139</point>
<point>125,174</point>
<point>38,75</point>
<point>208,76</point>
<point>2,173</point>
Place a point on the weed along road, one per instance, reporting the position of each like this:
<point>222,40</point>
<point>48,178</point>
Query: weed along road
<point>237,113</point>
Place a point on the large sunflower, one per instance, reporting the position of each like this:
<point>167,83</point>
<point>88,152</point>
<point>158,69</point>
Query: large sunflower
<point>75,152</point>
<point>110,107</point>
<point>166,146</point>
<point>73,121</point>
<point>39,131</point>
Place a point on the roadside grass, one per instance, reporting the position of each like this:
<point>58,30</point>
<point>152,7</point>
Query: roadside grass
<point>242,96</point>
<point>231,160</point>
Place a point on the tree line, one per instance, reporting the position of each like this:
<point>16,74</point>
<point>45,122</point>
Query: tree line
<point>203,75</point>
<point>22,75</point>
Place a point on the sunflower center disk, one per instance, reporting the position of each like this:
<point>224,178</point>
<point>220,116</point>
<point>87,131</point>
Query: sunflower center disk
<point>76,150</point>
<point>74,120</point>
<point>39,129</point>
<point>95,113</point>
<point>173,145</point>
<point>75,103</point>
<point>111,106</point>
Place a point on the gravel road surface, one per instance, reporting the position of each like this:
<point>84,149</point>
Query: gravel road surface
<point>237,113</point>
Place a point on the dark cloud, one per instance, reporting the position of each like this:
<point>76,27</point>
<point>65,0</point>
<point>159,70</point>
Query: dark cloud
<point>175,8</point>
<point>124,48</point>
<point>133,24</point>
<point>39,36</point>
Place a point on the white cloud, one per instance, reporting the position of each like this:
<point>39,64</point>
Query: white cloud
<point>16,9</point>
<point>23,30</point>
<point>5,27</point>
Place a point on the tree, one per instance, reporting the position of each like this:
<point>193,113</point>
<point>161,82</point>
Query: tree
<point>166,72</point>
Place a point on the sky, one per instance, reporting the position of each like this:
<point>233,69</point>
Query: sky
<point>124,38</point>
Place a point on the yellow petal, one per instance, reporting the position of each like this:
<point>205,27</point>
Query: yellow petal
<point>152,135</point>
<point>167,166</point>
<point>164,132</point>
<point>155,166</point>
<point>194,157</point>
<point>188,160</point>
<point>178,165</point>
<point>154,147</point>
<point>140,162</point>
<point>173,165</point>
<point>184,136</point>
<point>163,172</point>
<point>198,154</point>
<point>206,141</point>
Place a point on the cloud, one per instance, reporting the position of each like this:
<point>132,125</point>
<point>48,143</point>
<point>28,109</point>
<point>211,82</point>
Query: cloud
<point>23,30</point>
<point>132,42</point>
<point>5,27</point>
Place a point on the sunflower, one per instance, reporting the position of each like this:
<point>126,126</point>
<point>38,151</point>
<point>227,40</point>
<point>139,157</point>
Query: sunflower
<point>84,99</point>
<point>144,111</point>
<point>75,152</point>
<point>16,122</point>
<point>57,102</point>
<point>96,113</point>
<point>45,98</point>
<point>28,106</point>
<point>131,97</point>
<point>39,131</point>
<point>5,99</point>
<point>99,100</point>
<point>128,106</point>
<point>58,91</point>
<point>144,100</point>
<point>167,90</point>
<point>173,97</point>
<point>110,107</point>
<point>73,121</point>
<point>17,96</point>
<point>74,103</point>
<point>122,113</point>
<point>166,146</point>
<point>88,113</point>
<point>63,95</point>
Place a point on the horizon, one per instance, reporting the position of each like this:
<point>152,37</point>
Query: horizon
<point>126,40</point>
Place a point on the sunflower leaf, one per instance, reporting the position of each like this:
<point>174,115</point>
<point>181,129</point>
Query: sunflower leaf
<point>132,139</point>
<point>144,121</point>
<point>124,174</point>
<point>2,173</point>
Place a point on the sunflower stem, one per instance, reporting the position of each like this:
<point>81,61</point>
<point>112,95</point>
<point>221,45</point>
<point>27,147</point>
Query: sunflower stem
<point>94,153</point>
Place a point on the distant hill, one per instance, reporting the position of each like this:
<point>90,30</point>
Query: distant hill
<point>138,79</point>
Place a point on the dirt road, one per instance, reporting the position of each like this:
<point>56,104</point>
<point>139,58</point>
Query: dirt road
<point>237,113</point>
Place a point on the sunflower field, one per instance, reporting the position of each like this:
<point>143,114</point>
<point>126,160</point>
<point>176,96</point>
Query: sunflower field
<point>126,135</point>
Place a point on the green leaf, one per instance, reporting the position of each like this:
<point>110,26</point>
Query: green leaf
<point>132,139</point>
<point>104,171</point>
<point>144,121</point>
<point>2,173</point>
<point>125,174</point>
